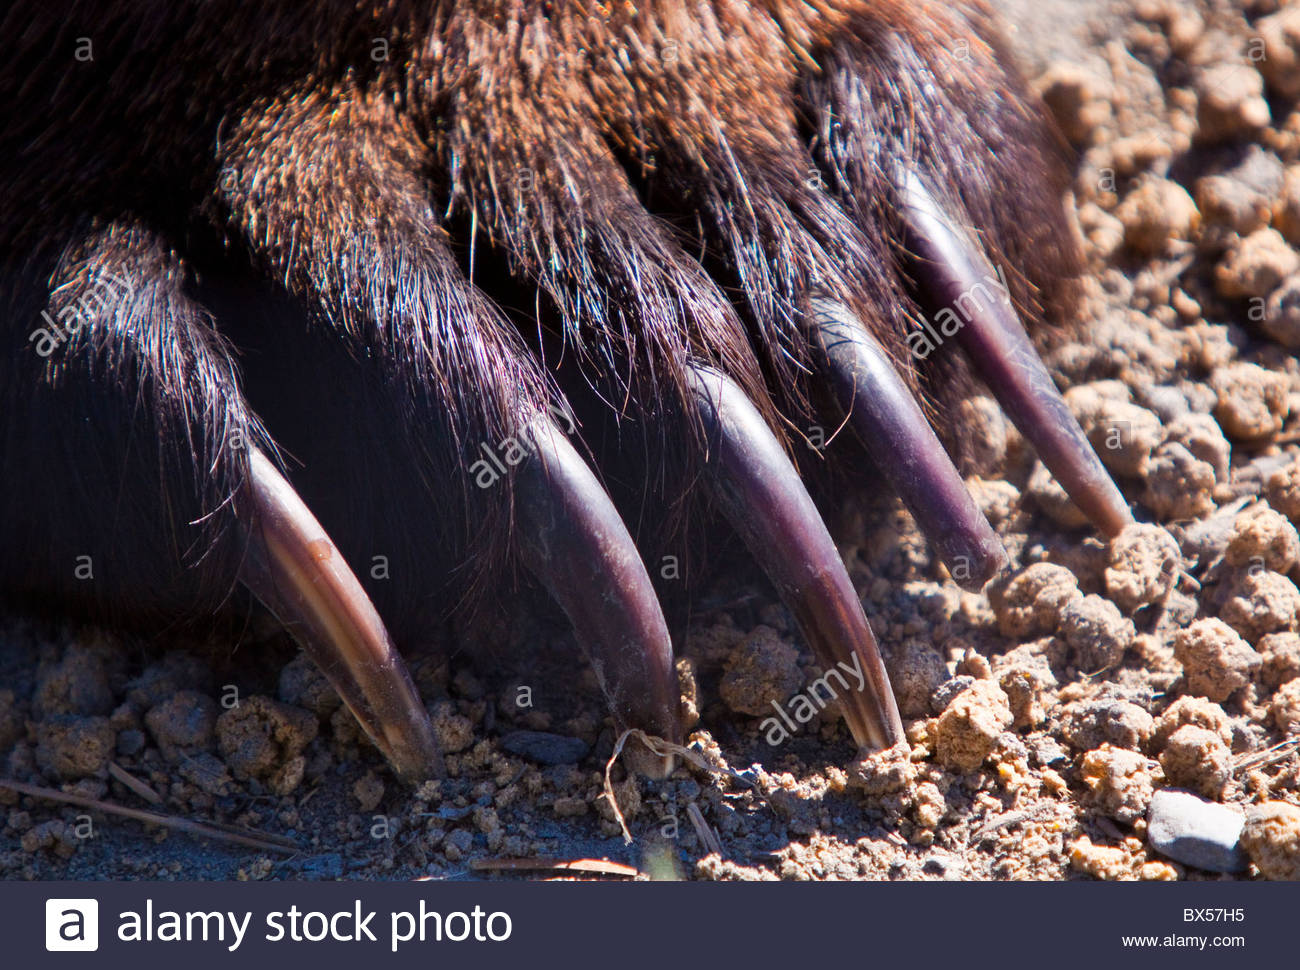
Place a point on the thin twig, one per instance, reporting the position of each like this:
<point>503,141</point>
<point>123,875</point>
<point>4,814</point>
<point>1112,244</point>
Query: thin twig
<point>263,841</point>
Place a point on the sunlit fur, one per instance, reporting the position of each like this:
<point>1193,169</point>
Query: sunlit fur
<point>315,184</point>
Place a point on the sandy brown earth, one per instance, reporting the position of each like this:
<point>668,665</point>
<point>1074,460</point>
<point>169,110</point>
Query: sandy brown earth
<point>1042,714</point>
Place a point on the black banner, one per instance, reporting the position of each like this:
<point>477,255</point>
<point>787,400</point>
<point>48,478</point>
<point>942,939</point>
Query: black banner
<point>622,926</point>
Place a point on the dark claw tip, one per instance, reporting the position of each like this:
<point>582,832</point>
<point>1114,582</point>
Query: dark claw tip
<point>895,431</point>
<point>574,541</point>
<point>957,281</point>
<point>759,491</point>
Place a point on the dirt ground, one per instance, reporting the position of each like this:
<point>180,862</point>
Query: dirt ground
<point>1043,714</point>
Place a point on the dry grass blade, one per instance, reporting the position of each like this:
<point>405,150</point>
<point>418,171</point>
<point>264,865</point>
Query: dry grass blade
<point>589,867</point>
<point>660,747</point>
<point>994,825</point>
<point>134,783</point>
<point>262,841</point>
<point>708,838</point>
<point>1269,756</point>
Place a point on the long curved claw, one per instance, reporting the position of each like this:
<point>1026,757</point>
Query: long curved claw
<point>574,541</point>
<point>896,433</point>
<point>953,273</point>
<point>301,577</point>
<point>759,492</point>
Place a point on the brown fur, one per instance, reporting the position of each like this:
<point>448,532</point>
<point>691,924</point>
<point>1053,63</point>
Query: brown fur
<point>669,180</point>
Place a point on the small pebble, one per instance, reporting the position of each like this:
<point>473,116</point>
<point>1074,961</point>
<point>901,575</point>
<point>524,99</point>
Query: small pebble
<point>1201,435</point>
<point>544,748</point>
<point>1285,707</point>
<point>1281,653</point>
<point>1191,710</point>
<point>454,731</point>
<point>70,747</point>
<point>1155,213</point>
<point>1195,832</point>
<point>1230,101</point>
<point>1093,723</point>
<point>1119,781</point>
<point>968,729</point>
<point>915,671</point>
<point>1030,602</point>
<point>77,684</point>
<point>176,670</point>
<point>263,739</point>
<point>761,671</point>
<point>1280,64</point>
<point>945,692</point>
<point>1077,97</point>
<point>368,790</point>
<point>1256,265</point>
<point>1263,538</point>
<point>1282,314</point>
<point>1282,489</point>
<point>1216,661</point>
<point>1252,401</point>
<point>457,844</point>
<point>1143,566</point>
<point>1047,751</point>
<point>1098,634</point>
<point>302,684</point>
<point>1271,838</point>
<point>1179,485</point>
<point>1167,403</point>
<point>1025,679</point>
<point>1262,602</point>
<point>1195,757</point>
<point>1124,436</point>
<point>1207,539</point>
<point>1241,199</point>
<point>1286,209</point>
<point>206,771</point>
<point>182,722</point>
